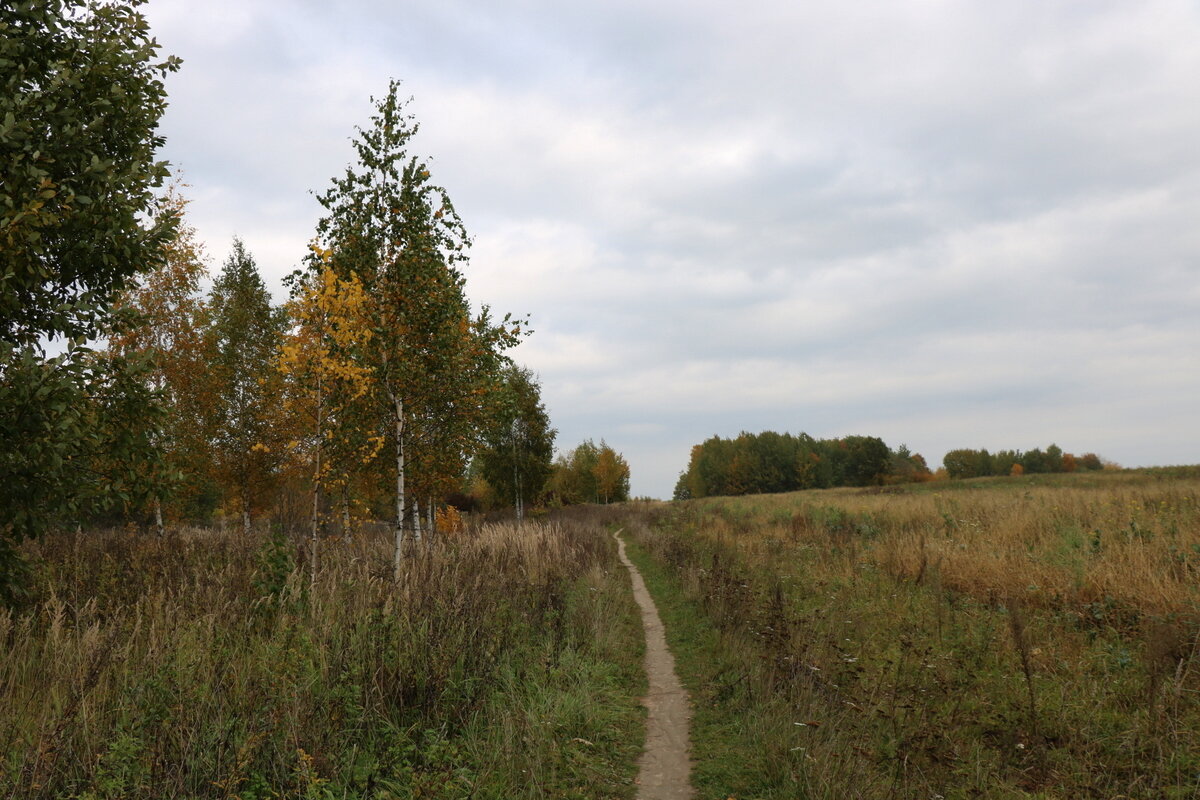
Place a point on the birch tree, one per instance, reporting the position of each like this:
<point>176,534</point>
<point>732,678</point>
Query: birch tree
<point>389,223</point>
<point>518,452</point>
<point>320,359</point>
<point>612,475</point>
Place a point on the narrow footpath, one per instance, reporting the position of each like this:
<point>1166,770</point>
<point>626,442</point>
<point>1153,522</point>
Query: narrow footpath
<point>664,767</point>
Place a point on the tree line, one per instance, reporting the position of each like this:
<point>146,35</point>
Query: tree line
<point>765,462</point>
<point>967,463</point>
<point>373,386</point>
<point>131,393</point>
<point>589,473</point>
<point>754,463</point>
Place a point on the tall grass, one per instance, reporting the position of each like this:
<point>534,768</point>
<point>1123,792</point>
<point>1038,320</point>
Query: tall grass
<point>204,664</point>
<point>1136,546</point>
<point>998,639</point>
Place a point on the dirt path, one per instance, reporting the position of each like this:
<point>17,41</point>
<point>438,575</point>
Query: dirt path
<point>664,766</point>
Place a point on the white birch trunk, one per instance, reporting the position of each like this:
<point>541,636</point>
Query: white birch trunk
<point>398,406</point>
<point>158,523</point>
<point>518,503</point>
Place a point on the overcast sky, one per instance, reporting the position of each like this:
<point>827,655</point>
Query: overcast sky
<point>947,224</point>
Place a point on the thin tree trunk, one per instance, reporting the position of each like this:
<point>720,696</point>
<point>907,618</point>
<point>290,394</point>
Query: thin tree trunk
<point>520,511</point>
<point>161,385</point>
<point>346,509</point>
<point>312,577</point>
<point>316,507</point>
<point>416,514</point>
<point>398,406</point>
<point>432,526</point>
<point>244,489</point>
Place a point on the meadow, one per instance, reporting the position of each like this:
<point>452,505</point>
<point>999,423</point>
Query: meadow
<point>1032,637</point>
<point>1014,637</point>
<point>504,663</point>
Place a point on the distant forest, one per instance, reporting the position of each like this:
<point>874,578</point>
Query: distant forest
<point>782,462</point>
<point>981,463</point>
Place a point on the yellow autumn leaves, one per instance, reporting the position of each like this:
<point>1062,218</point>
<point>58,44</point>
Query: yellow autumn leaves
<point>321,355</point>
<point>329,325</point>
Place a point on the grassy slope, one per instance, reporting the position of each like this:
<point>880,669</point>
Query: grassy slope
<point>905,631</point>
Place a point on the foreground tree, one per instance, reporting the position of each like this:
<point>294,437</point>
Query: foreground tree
<point>394,228</point>
<point>79,441</point>
<point>81,94</point>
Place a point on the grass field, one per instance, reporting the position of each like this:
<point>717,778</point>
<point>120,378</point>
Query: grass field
<point>504,664</point>
<point>1031,637</point>
<point>1002,638</point>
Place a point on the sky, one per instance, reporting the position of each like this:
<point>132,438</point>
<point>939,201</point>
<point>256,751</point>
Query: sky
<point>946,224</point>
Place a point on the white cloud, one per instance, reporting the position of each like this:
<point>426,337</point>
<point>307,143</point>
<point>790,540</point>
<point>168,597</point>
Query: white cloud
<point>947,224</point>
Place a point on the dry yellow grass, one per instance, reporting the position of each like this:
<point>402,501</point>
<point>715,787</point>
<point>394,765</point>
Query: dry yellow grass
<point>996,638</point>
<point>1136,545</point>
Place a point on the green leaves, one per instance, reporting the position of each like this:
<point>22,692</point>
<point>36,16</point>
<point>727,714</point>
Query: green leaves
<point>432,361</point>
<point>770,462</point>
<point>518,447</point>
<point>590,474</point>
<point>80,100</point>
<point>244,338</point>
<point>78,433</point>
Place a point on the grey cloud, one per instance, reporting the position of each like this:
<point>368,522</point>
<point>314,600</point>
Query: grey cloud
<point>946,224</point>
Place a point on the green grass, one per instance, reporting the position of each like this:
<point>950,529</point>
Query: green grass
<point>572,728</point>
<point>734,749</point>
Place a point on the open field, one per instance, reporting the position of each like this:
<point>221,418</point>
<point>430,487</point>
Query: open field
<point>505,663</point>
<point>1028,637</point>
<point>1032,637</point>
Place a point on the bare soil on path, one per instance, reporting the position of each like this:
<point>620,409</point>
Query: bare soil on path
<point>665,765</point>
